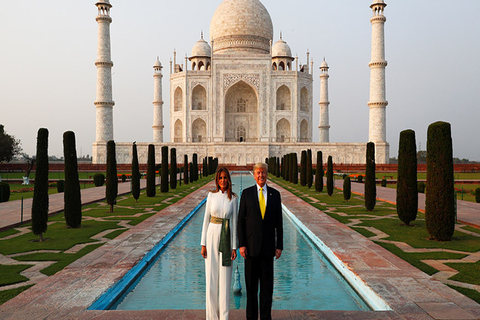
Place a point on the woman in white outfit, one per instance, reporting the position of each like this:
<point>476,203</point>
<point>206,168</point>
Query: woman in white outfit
<point>219,244</point>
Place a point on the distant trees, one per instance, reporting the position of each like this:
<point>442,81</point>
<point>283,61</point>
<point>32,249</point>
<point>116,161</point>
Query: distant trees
<point>319,172</point>
<point>9,146</point>
<point>135,173</point>
<point>72,196</point>
<point>111,190</point>
<point>164,175</point>
<point>370,181</point>
<point>440,195</point>
<point>151,190</point>
<point>173,168</point>
<point>407,192</point>
<point>40,190</point>
<point>330,176</point>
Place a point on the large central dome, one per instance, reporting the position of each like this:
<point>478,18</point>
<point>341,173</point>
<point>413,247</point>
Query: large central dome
<point>241,26</point>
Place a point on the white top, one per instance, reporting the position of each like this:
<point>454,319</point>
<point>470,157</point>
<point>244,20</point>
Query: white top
<point>218,205</point>
<point>264,193</point>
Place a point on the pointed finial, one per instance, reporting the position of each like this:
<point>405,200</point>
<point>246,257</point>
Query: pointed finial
<point>281,35</point>
<point>201,34</point>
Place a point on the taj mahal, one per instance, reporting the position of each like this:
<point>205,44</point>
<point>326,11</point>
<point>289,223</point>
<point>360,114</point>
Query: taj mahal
<point>240,97</point>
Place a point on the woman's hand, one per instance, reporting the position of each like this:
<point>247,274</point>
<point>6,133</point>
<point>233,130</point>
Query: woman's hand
<point>204,252</point>
<point>234,254</point>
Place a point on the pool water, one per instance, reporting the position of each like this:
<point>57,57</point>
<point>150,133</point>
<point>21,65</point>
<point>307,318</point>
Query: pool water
<point>304,278</point>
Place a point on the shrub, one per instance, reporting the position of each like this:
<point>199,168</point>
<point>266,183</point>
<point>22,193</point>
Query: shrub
<point>40,190</point>
<point>407,187</point>
<point>329,176</point>
<point>319,172</point>
<point>477,195</point>
<point>98,179</point>
<point>111,190</point>
<point>123,177</point>
<point>370,180</point>
<point>164,181</point>
<point>384,182</point>
<point>135,173</point>
<point>151,171</point>
<point>360,178</point>
<point>421,187</point>
<point>303,168</point>
<point>60,186</point>
<point>440,198</point>
<point>4,192</point>
<point>72,196</point>
<point>347,188</point>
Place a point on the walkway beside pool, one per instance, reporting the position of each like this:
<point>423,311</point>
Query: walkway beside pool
<point>410,293</point>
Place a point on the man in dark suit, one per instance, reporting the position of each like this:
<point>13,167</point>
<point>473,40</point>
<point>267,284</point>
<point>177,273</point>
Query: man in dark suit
<point>260,238</point>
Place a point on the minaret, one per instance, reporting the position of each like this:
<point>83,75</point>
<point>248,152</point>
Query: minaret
<point>104,103</point>
<point>324,104</point>
<point>157,102</point>
<point>378,102</point>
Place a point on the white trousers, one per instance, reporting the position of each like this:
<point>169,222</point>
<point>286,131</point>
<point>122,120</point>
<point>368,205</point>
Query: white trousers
<point>218,278</point>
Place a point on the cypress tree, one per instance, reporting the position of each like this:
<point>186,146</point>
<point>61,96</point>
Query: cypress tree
<point>282,168</point>
<point>135,174</point>
<point>309,168</point>
<point>370,182</point>
<point>151,190</point>
<point>329,176</point>
<point>277,173</point>
<point>191,171</point>
<point>164,177</point>
<point>40,189</point>
<point>319,172</point>
<point>71,196</point>
<point>194,173</point>
<point>440,195</point>
<point>111,189</point>
<point>303,168</point>
<point>185,169</point>
<point>347,189</point>
<point>205,167</point>
<point>173,168</point>
<point>295,168</point>
<point>407,192</point>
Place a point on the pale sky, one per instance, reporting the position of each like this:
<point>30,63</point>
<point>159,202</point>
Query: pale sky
<point>48,75</point>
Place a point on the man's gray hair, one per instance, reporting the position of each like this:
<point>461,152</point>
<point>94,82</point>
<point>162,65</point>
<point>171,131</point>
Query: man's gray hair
<point>260,165</point>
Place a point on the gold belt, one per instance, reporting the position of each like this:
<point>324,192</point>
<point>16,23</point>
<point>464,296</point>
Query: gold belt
<point>216,220</point>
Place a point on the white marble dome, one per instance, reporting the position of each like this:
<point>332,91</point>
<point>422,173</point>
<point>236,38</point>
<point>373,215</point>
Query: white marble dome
<point>281,49</point>
<point>201,49</point>
<point>241,26</point>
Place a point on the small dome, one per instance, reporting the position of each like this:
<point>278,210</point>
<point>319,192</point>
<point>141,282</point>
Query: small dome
<point>281,49</point>
<point>324,64</point>
<point>158,64</point>
<point>241,26</point>
<point>201,49</point>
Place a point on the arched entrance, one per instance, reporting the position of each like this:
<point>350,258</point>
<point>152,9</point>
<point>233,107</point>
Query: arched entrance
<point>241,113</point>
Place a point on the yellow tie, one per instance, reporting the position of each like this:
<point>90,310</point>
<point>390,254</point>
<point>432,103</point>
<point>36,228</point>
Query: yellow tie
<point>261,202</point>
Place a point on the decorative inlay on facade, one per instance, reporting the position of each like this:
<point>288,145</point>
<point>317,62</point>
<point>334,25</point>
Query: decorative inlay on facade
<point>230,79</point>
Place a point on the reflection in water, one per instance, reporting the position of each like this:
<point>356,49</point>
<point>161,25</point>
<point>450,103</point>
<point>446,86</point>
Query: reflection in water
<point>304,280</point>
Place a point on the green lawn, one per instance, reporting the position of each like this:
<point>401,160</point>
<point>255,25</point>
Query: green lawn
<point>416,235</point>
<point>96,219</point>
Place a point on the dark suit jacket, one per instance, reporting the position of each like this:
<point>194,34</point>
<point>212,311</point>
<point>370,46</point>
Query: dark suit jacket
<point>260,236</point>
